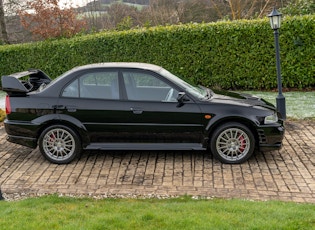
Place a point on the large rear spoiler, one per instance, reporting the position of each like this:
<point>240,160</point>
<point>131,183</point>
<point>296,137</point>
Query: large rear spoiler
<point>24,82</point>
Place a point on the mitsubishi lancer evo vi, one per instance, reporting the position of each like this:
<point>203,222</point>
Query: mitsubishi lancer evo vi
<point>134,106</point>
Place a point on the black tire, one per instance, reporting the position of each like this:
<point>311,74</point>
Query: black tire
<point>59,144</point>
<point>232,143</point>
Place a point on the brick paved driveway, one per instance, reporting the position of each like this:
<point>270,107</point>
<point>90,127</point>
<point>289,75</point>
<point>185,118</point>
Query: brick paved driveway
<point>286,175</point>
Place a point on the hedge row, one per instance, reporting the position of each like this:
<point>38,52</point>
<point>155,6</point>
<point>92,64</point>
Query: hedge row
<point>230,55</point>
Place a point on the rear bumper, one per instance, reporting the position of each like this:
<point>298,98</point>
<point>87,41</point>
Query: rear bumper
<point>22,133</point>
<point>25,141</point>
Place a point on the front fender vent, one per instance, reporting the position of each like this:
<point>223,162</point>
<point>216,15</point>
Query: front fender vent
<point>261,136</point>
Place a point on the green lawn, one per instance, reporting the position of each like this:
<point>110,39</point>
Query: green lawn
<point>2,96</point>
<point>54,212</point>
<point>299,105</point>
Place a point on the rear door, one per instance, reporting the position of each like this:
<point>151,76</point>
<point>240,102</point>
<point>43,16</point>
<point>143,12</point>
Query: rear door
<point>94,99</point>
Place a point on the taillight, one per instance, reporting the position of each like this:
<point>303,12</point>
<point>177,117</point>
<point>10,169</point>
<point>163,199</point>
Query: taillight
<point>7,105</point>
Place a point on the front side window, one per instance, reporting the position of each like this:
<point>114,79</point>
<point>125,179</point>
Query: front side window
<point>98,85</point>
<point>197,91</point>
<point>147,87</point>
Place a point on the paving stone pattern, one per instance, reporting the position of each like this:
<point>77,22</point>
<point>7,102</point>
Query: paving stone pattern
<point>287,174</point>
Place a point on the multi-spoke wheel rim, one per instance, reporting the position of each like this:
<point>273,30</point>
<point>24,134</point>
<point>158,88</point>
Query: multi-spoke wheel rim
<point>59,144</point>
<point>233,144</point>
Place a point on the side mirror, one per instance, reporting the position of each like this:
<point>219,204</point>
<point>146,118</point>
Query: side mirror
<point>182,98</point>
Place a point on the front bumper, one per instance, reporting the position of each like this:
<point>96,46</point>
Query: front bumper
<point>270,137</point>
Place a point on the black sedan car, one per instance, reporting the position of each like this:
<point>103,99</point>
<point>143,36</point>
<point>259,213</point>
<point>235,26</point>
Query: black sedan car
<point>134,106</point>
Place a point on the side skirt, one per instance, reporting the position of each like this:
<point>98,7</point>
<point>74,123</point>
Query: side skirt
<point>145,146</point>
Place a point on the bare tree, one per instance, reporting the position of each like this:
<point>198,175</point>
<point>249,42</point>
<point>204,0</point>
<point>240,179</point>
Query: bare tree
<point>13,27</point>
<point>95,14</point>
<point>243,9</point>
<point>4,33</point>
<point>119,12</point>
<point>195,11</point>
<point>161,12</point>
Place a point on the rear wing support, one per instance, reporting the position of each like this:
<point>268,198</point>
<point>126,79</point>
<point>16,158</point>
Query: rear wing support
<point>24,82</point>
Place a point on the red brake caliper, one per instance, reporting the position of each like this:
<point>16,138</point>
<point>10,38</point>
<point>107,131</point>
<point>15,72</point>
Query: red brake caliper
<point>243,143</point>
<point>52,138</point>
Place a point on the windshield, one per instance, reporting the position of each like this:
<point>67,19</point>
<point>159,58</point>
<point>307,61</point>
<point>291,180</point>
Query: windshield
<point>199,92</point>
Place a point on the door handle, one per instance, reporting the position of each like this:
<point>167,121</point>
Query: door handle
<point>58,106</point>
<point>71,108</point>
<point>136,110</point>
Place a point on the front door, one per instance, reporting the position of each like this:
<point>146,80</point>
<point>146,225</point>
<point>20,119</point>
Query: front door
<point>154,112</point>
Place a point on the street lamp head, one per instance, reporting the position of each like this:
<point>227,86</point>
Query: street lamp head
<point>275,19</point>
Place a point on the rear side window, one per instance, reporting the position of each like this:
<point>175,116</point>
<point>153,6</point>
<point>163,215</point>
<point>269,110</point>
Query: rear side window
<point>97,85</point>
<point>71,90</point>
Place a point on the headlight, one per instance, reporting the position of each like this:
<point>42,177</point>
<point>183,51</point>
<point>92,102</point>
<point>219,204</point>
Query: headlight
<point>271,119</point>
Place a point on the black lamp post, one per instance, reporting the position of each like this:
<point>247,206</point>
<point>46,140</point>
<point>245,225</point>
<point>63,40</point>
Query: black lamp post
<point>275,21</point>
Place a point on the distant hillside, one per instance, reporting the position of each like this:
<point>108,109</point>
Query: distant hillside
<point>100,5</point>
<point>108,2</point>
<point>140,2</point>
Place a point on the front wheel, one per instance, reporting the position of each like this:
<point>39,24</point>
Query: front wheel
<point>59,144</point>
<point>232,143</point>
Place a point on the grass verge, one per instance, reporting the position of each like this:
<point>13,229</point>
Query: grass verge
<point>53,212</point>
<point>299,105</point>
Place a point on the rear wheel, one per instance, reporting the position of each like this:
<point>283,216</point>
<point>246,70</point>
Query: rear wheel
<point>232,143</point>
<point>59,144</point>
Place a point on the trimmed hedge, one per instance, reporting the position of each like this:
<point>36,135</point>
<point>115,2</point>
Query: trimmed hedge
<point>230,55</point>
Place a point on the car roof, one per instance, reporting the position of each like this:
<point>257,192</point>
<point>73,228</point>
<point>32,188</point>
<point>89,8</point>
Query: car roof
<point>130,65</point>
<point>136,65</point>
